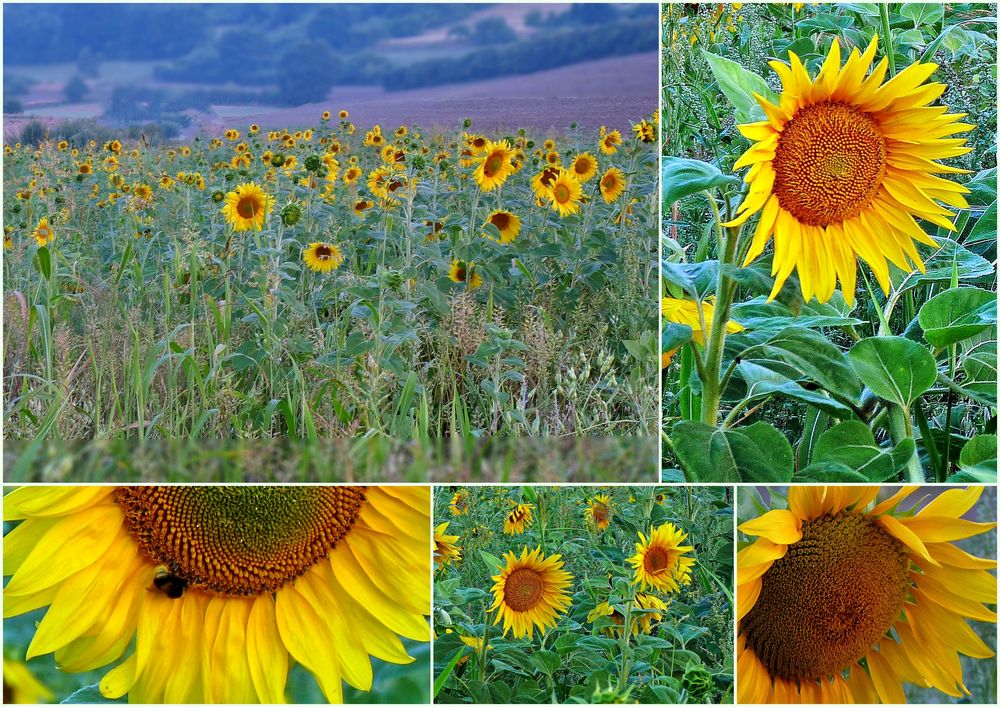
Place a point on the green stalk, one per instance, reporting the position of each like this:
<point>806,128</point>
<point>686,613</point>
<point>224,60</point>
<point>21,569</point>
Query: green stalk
<point>883,10</point>
<point>901,428</point>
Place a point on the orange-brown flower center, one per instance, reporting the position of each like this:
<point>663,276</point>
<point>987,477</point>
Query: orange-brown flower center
<point>493,164</point>
<point>657,559</point>
<point>238,541</point>
<point>561,193</point>
<point>500,220</point>
<point>246,207</point>
<point>832,597</point>
<point>829,163</point>
<point>523,589</point>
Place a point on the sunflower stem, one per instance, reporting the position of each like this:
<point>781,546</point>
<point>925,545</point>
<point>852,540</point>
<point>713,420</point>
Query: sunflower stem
<point>725,287</point>
<point>901,428</point>
<point>883,10</point>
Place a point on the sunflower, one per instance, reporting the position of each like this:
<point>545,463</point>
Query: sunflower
<point>476,143</point>
<point>462,271</point>
<point>322,257</point>
<point>446,551</point>
<point>494,165</point>
<point>21,687</point>
<point>598,511</point>
<point>530,591</point>
<point>221,588</point>
<point>843,598</point>
<point>247,207</point>
<point>43,232</point>
<point>362,205</point>
<point>542,182</point>
<point>610,141</point>
<point>518,519</point>
<point>507,223</point>
<point>644,131</point>
<point>352,174</point>
<point>843,166</point>
<point>584,167</point>
<point>643,622</point>
<point>565,194</point>
<point>685,311</point>
<point>612,184</point>
<point>86,168</point>
<point>459,505</point>
<point>659,562</point>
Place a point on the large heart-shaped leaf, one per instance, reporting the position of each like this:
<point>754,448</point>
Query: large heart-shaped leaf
<point>957,314</point>
<point>896,369</point>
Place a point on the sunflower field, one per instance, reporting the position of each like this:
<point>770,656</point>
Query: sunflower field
<point>866,595</point>
<point>332,281</point>
<point>534,588</point>
<point>829,242</point>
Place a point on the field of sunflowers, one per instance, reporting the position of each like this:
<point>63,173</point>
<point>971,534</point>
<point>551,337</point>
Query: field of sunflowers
<point>829,243</point>
<point>534,589</point>
<point>332,281</point>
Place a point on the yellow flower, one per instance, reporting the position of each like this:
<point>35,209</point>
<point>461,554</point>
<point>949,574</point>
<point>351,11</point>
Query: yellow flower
<point>343,115</point>
<point>507,223</point>
<point>322,257</point>
<point>685,311</point>
<point>610,141</point>
<point>518,519</point>
<point>462,271</point>
<point>361,205</point>
<point>612,184</point>
<point>643,622</point>
<point>645,131</point>
<point>584,167</point>
<point>598,511</point>
<point>446,549</point>
<point>530,592</point>
<point>352,174</point>
<point>842,598</point>
<point>659,561</point>
<point>247,207</point>
<point>43,232</point>
<point>542,182</point>
<point>459,503</point>
<point>211,593</point>
<point>842,167</point>
<point>565,194</point>
<point>494,165</point>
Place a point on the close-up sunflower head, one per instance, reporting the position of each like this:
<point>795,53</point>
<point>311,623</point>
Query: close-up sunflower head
<point>660,561</point>
<point>845,165</point>
<point>863,594</point>
<point>205,594</point>
<point>530,592</point>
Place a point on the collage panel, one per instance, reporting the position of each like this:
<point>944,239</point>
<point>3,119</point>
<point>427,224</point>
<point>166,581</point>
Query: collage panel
<point>866,594</point>
<point>217,594</point>
<point>829,243</point>
<point>423,228</point>
<point>616,594</point>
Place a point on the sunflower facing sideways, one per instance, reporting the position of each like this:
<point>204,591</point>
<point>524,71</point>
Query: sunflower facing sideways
<point>221,588</point>
<point>843,598</point>
<point>843,166</point>
<point>246,207</point>
<point>530,592</point>
<point>518,519</point>
<point>640,622</point>
<point>598,511</point>
<point>507,223</point>
<point>612,184</point>
<point>446,549</point>
<point>659,561</point>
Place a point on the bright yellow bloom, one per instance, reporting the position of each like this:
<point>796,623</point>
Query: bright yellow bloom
<point>446,549</point>
<point>598,511</point>
<point>459,503</point>
<point>247,207</point>
<point>518,519</point>
<point>843,166</point>
<point>462,271</point>
<point>565,194</point>
<point>584,167</point>
<point>843,598</point>
<point>507,223</point>
<point>530,592</point>
<point>252,578</point>
<point>612,184</point>
<point>659,561</point>
<point>322,257</point>
<point>685,311</point>
<point>43,232</point>
<point>495,165</point>
<point>610,141</point>
<point>643,622</point>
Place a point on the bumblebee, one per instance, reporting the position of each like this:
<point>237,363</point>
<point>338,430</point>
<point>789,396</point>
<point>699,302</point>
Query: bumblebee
<point>171,584</point>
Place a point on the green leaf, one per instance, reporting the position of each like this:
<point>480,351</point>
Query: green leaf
<point>826,472</point>
<point>922,13</point>
<point>797,352</point>
<point>739,85</point>
<point>43,262</point>
<point>979,458</point>
<point>986,226</point>
<point>547,662</point>
<point>940,265</point>
<point>763,382</point>
<point>957,314</point>
<point>851,443</point>
<point>762,453</point>
<point>91,695</point>
<point>492,561</point>
<point>896,369</point>
<point>442,677</point>
<point>683,177</point>
<point>703,452</point>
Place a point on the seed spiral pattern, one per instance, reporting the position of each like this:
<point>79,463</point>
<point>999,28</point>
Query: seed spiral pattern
<point>829,163</point>
<point>831,598</point>
<point>523,590</point>
<point>239,541</point>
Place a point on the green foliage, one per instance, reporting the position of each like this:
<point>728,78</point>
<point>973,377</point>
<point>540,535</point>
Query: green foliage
<point>685,658</point>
